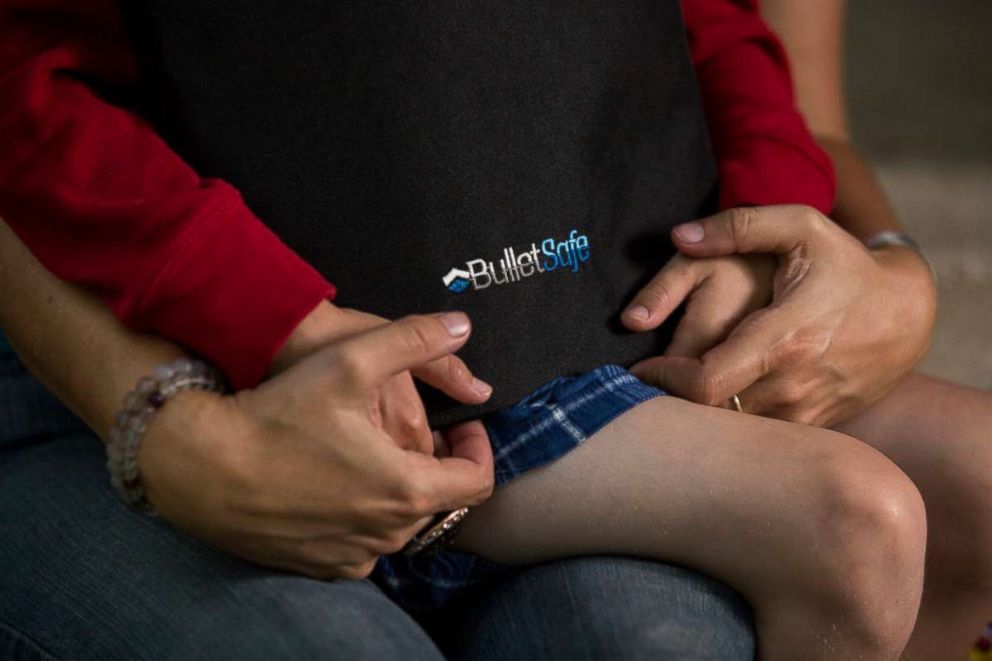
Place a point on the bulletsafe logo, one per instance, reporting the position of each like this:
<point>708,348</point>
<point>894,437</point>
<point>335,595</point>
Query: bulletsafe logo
<point>550,255</point>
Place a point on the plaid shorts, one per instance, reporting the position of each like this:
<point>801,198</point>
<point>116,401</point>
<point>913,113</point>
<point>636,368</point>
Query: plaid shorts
<point>541,427</point>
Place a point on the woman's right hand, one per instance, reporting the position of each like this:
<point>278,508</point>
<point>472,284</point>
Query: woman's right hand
<point>403,415</point>
<point>299,473</point>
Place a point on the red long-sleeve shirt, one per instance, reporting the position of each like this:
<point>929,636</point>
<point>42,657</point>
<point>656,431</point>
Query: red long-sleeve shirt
<point>102,201</point>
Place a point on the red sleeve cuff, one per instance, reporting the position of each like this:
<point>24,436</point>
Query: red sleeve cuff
<point>232,292</point>
<point>764,150</point>
<point>764,170</point>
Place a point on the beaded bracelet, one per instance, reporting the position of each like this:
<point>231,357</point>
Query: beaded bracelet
<point>151,392</point>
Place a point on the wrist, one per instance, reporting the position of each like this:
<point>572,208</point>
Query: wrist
<point>182,429</point>
<point>906,263</point>
<point>324,324</point>
<point>912,282</point>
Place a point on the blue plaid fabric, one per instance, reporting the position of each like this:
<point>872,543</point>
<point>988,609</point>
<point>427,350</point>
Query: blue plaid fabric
<point>541,427</point>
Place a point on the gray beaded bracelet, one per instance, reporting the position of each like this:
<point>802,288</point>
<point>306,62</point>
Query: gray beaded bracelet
<point>151,392</point>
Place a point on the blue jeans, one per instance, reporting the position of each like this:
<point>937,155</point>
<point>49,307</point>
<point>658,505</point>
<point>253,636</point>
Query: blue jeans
<point>81,577</point>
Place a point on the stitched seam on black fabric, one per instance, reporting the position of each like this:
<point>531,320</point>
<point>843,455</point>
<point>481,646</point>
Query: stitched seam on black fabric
<point>35,645</point>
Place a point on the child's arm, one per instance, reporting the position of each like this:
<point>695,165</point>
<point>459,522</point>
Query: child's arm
<point>103,202</point>
<point>305,453</point>
<point>764,152</point>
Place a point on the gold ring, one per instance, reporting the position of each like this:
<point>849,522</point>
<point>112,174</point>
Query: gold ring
<point>735,401</point>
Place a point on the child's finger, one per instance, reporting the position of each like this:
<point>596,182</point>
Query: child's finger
<point>775,229</point>
<point>659,298</point>
<point>707,321</point>
<point>716,307</point>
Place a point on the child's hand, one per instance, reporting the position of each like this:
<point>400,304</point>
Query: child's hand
<point>721,292</point>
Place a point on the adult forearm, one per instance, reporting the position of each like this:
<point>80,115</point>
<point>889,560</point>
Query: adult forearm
<point>68,338</point>
<point>862,207</point>
<point>229,470</point>
<point>812,33</point>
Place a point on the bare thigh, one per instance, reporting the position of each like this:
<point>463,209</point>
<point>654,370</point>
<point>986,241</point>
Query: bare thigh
<point>759,503</point>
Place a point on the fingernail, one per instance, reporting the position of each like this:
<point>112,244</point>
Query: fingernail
<point>638,312</point>
<point>456,323</point>
<point>690,232</point>
<point>481,387</point>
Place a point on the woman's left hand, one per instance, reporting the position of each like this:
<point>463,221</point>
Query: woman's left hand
<point>844,325</point>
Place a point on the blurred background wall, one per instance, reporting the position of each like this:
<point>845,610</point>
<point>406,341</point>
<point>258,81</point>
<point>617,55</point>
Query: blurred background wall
<point>919,78</point>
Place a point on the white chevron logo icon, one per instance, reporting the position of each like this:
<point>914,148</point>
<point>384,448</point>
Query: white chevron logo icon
<point>454,274</point>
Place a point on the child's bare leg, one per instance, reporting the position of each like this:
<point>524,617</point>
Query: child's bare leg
<point>822,534</point>
<point>940,434</point>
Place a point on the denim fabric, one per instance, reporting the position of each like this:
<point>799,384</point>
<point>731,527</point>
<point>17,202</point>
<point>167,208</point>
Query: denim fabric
<point>546,424</point>
<point>83,578</point>
<point>595,608</point>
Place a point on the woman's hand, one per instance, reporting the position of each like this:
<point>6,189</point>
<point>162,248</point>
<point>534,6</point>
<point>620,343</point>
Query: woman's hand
<point>402,411</point>
<point>845,323</point>
<point>301,473</point>
<point>721,291</point>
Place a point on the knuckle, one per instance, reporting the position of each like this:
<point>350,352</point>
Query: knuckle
<point>710,387</point>
<point>349,365</point>
<point>414,334</point>
<point>739,221</point>
<point>412,421</point>
<point>809,215</point>
<point>656,295</point>
<point>457,369</point>
<point>415,497</point>
<point>800,349</point>
<point>811,218</point>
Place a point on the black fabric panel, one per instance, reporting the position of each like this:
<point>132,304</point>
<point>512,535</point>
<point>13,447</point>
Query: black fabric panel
<point>389,142</point>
